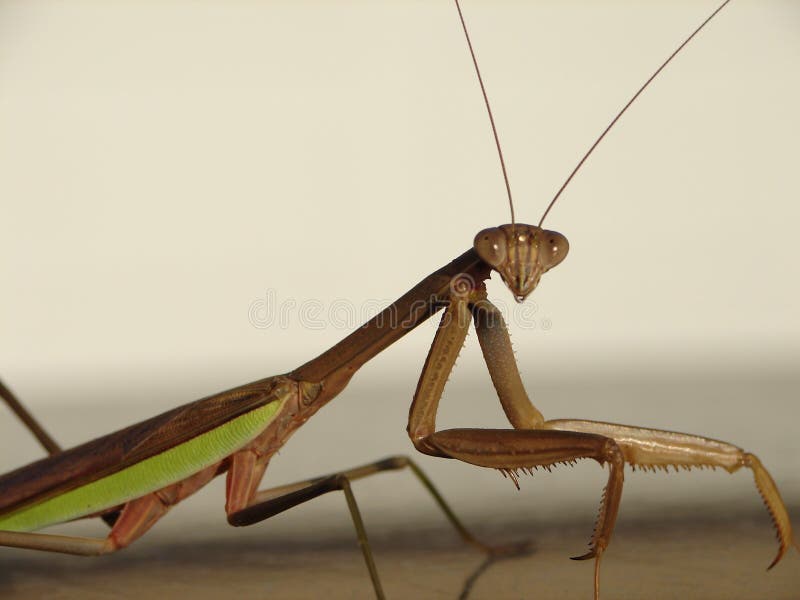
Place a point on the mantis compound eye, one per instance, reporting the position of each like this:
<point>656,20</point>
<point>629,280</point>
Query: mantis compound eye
<point>552,249</point>
<point>490,244</point>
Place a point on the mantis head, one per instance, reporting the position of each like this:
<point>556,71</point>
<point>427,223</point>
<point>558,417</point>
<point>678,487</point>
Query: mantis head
<point>521,254</point>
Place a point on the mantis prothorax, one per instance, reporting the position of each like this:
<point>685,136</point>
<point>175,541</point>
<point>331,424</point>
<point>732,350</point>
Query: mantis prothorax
<point>134,476</point>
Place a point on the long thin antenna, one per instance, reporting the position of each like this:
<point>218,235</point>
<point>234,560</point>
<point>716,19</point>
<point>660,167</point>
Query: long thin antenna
<point>624,108</point>
<point>489,110</point>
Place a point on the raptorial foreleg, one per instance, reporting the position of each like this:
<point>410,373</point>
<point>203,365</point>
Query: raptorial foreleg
<point>514,452</point>
<point>658,449</point>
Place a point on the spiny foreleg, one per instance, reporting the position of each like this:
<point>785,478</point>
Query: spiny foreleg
<point>658,449</point>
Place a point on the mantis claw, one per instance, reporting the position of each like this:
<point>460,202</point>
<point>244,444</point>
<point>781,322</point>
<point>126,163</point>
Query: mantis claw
<point>775,506</point>
<point>597,555</point>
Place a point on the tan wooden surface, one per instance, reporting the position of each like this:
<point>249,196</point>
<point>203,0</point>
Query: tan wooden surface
<point>705,557</point>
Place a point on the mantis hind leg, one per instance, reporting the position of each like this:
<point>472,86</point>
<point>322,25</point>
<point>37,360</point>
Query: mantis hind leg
<point>264,504</point>
<point>64,544</point>
<point>133,521</point>
<point>130,522</point>
<point>29,420</point>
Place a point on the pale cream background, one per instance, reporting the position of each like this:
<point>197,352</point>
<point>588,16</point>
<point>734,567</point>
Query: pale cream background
<point>165,165</point>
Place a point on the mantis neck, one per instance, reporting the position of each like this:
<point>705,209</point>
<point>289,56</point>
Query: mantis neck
<point>334,367</point>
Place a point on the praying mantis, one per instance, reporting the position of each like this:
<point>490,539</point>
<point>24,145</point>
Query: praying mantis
<point>512,407</point>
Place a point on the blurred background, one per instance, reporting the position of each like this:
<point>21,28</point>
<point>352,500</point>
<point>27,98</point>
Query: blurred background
<point>200,194</point>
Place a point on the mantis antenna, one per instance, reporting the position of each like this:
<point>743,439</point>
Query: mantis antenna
<point>624,108</point>
<point>489,110</point>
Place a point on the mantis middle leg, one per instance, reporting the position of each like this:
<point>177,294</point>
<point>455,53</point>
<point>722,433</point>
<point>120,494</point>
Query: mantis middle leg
<point>246,505</point>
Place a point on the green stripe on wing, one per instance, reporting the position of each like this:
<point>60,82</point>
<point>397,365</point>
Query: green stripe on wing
<point>146,476</point>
